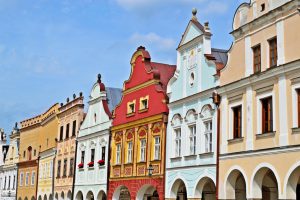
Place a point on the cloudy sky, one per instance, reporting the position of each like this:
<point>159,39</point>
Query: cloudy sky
<point>50,49</point>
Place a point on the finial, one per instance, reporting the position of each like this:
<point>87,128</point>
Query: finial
<point>74,96</point>
<point>141,48</point>
<point>80,94</point>
<point>99,78</point>
<point>16,125</point>
<point>194,12</point>
<point>68,100</point>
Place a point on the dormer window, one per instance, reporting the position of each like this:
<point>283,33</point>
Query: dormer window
<point>144,103</point>
<point>130,107</point>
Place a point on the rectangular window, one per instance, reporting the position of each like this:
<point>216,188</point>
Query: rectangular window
<point>21,178</point>
<point>71,167</point>
<point>27,179</point>
<point>237,122</point>
<point>51,169</point>
<point>82,157</point>
<point>156,148</point>
<point>14,183</point>
<point>4,183</point>
<point>74,128</point>
<point>46,170</point>
<point>67,131</point>
<point>129,153</point>
<point>58,168</point>
<point>256,59</point>
<point>8,183</point>
<point>118,154</point>
<point>92,155</point>
<point>61,134</point>
<point>178,142</point>
<point>143,150</point>
<point>208,136</point>
<point>131,108</point>
<point>32,178</point>
<point>273,52</point>
<point>65,167</point>
<point>24,154</point>
<point>267,115</point>
<point>103,153</point>
<point>298,103</point>
<point>192,130</point>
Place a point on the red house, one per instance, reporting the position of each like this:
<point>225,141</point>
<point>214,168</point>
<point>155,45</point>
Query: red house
<point>137,163</point>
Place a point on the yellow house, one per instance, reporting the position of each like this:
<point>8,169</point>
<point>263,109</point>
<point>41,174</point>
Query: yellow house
<point>260,104</point>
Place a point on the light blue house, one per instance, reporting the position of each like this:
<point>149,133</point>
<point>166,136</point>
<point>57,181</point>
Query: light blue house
<point>191,131</point>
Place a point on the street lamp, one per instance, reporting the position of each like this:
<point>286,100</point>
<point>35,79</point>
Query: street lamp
<point>150,170</point>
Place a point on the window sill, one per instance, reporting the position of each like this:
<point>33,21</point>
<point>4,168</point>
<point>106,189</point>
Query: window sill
<point>178,158</point>
<point>141,162</point>
<point>190,156</point>
<point>265,135</point>
<point>296,130</point>
<point>130,114</point>
<point>117,165</point>
<point>129,163</point>
<point>206,154</point>
<point>156,160</point>
<point>91,168</point>
<point>143,110</point>
<point>235,140</point>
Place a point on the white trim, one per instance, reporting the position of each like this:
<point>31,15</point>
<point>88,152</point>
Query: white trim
<point>203,176</point>
<point>224,125</point>
<point>248,57</point>
<point>283,122</point>
<point>177,178</point>
<point>295,104</point>
<point>286,179</point>
<point>249,119</point>
<point>280,42</point>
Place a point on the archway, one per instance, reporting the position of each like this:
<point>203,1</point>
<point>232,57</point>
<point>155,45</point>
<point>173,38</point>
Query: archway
<point>62,195</point>
<point>50,197</point>
<point>101,195</point>
<point>148,192</point>
<point>25,198</point>
<point>40,197</point>
<point>79,196</point>
<point>69,195</point>
<point>45,197</point>
<point>265,185</point>
<point>206,189</point>
<point>56,196</point>
<point>178,190</point>
<point>19,198</point>
<point>293,184</point>
<point>90,196</point>
<point>32,198</point>
<point>236,185</point>
<point>121,193</point>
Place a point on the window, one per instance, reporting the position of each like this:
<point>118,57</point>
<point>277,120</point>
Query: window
<point>208,136</point>
<point>273,52</point>
<point>129,152</point>
<point>58,168</point>
<point>24,154</point>
<point>32,178</point>
<point>8,183</point>
<point>29,152</point>
<point>27,179</point>
<point>237,122</point>
<point>67,131</point>
<point>61,134</point>
<point>14,183</point>
<point>71,167</point>
<point>82,157</point>
<point>131,108</point>
<point>263,7</point>
<point>267,115</point>
<point>192,130</point>
<point>74,128</point>
<point>21,178</point>
<point>34,152</point>
<point>143,150</point>
<point>156,148</point>
<point>103,153</point>
<point>178,142</point>
<point>145,103</point>
<point>118,154</point>
<point>256,59</point>
<point>298,103</point>
<point>92,155</point>
<point>65,167</point>
<point>4,186</point>
<point>46,170</point>
<point>51,169</point>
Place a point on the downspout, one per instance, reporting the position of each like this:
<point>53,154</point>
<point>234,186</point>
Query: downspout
<point>108,162</point>
<point>74,170</point>
<point>53,173</point>
<point>17,182</point>
<point>165,152</point>
<point>37,176</point>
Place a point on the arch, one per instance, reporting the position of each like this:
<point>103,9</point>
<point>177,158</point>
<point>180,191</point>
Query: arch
<point>25,198</point>
<point>178,190</point>
<point>121,193</point>
<point>45,197</point>
<point>236,184</point>
<point>265,182</point>
<point>40,197</point>
<point>62,195</point>
<point>90,196</point>
<point>205,189</point>
<point>101,195</point>
<point>147,191</point>
<point>32,198</point>
<point>191,115</point>
<point>69,195</point>
<point>50,197</point>
<point>56,196</point>
<point>19,198</point>
<point>79,196</point>
<point>292,182</point>
<point>206,111</point>
<point>176,120</point>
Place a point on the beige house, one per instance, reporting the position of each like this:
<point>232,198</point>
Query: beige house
<point>260,104</point>
<point>70,117</point>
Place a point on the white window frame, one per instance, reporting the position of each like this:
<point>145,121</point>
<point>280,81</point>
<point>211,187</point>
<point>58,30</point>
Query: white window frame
<point>21,178</point>
<point>129,152</point>
<point>143,144</point>
<point>118,154</point>
<point>156,147</point>
<point>178,141</point>
<point>32,177</point>
<point>208,134</point>
<point>27,179</point>
<point>193,138</point>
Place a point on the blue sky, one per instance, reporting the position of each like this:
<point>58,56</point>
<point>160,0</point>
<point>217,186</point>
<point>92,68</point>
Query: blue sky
<point>50,49</point>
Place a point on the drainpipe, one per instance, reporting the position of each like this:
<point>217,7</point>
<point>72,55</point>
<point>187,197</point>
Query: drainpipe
<point>108,163</point>
<point>17,182</point>
<point>74,170</point>
<point>37,176</point>
<point>53,176</point>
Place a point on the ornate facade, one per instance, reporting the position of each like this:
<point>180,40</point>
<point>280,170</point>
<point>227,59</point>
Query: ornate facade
<point>259,128</point>
<point>70,117</point>
<point>137,161</point>
<point>92,161</point>
<point>191,132</point>
<point>5,178</point>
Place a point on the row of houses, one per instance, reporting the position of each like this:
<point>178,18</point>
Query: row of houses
<point>220,124</point>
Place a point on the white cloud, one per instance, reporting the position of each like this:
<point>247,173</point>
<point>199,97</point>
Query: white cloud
<point>152,39</point>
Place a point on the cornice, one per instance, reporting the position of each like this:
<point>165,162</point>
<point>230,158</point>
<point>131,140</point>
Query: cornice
<point>140,86</point>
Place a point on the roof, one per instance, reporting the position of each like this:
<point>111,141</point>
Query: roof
<point>114,96</point>
<point>219,56</point>
<point>166,72</point>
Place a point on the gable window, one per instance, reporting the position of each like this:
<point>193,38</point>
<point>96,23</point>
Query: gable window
<point>131,107</point>
<point>71,167</point>
<point>143,150</point>
<point>65,168</point>
<point>129,152</point>
<point>103,153</point>
<point>144,103</point>
<point>82,157</point>
<point>58,168</point>
<point>208,136</point>
<point>192,130</point>
<point>27,179</point>
<point>92,155</point>
<point>156,148</point>
<point>177,142</point>
<point>273,52</point>
<point>267,115</point>
<point>61,134</point>
<point>256,59</point>
<point>118,154</point>
<point>32,178</point>
<point>237,122</point>
<point>67,131</point>
<point>74,128</point>
<point>21,178</point>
